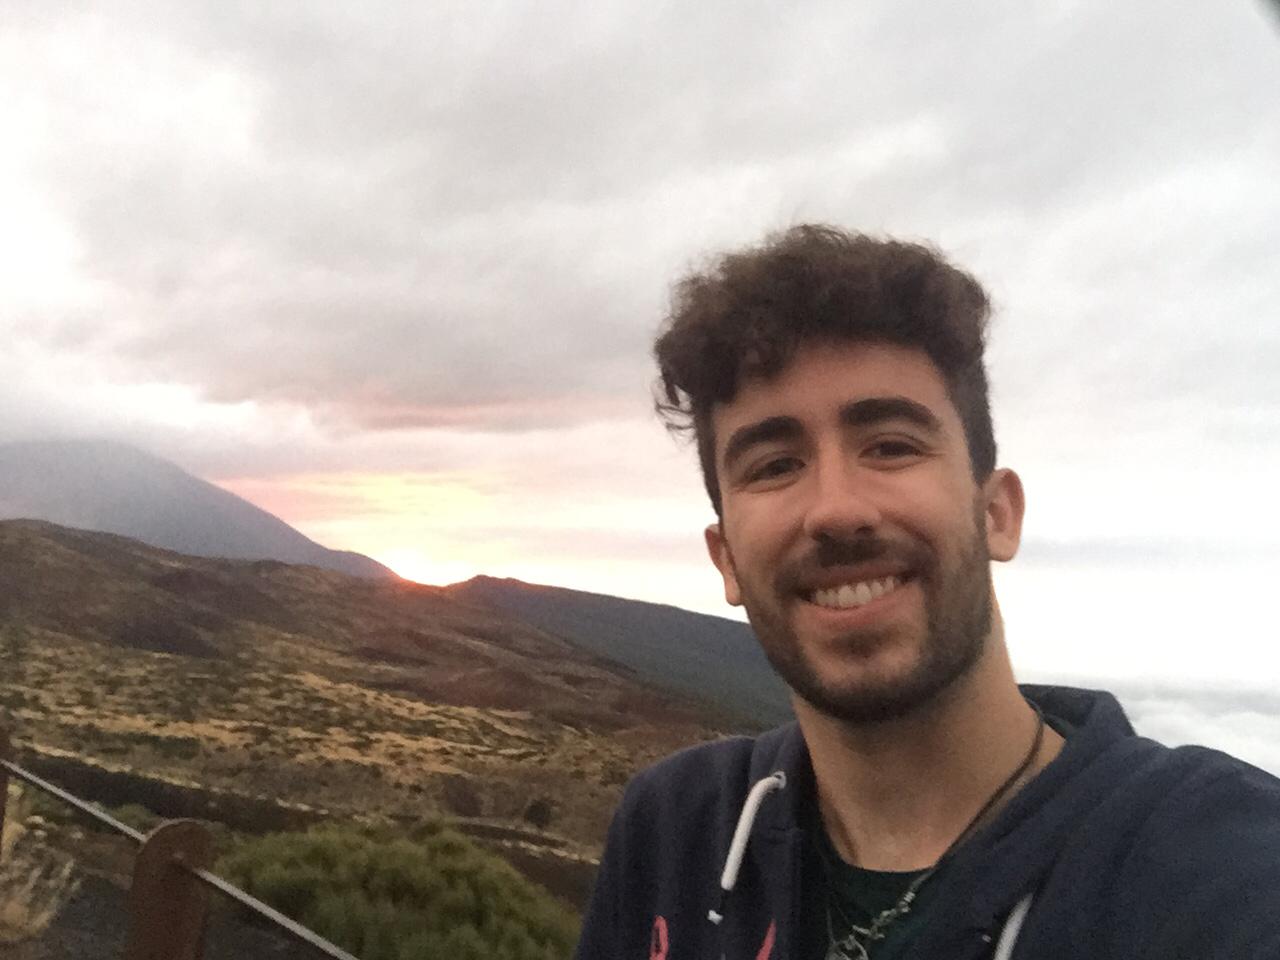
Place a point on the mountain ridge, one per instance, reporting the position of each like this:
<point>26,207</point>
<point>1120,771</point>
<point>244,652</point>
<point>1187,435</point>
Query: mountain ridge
<point>697,655</point>
<point>112,487</point>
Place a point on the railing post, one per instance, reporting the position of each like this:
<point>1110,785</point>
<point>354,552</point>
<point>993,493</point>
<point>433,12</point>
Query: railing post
<point>167,902</point>
<point>6,753</point>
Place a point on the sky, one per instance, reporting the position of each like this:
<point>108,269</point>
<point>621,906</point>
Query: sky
<point>392,272</point>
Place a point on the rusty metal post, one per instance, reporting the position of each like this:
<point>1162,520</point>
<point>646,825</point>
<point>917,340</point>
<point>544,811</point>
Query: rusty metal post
<point>167,902</point>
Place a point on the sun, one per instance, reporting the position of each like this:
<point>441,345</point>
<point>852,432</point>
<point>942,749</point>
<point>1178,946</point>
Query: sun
<point>420,568</point>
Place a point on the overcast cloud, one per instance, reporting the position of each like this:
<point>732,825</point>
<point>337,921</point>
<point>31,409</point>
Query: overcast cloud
<point>417,215</point>
<point>296,245</point>
<point>1245,727</point>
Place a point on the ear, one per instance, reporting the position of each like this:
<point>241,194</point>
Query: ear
<point>718,547</point>
<point>1005,505</point>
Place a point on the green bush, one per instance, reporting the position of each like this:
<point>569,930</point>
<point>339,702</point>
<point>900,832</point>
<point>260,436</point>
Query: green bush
<point>135,815</point>
<point>386,896</point>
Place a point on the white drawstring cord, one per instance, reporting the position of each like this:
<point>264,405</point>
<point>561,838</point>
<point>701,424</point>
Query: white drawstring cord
<point>738,846</point>
<point>1012,927</point>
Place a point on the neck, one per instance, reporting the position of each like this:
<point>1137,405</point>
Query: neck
<point>895,795</point>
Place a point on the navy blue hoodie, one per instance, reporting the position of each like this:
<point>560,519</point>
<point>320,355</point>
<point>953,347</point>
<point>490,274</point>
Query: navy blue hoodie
<point>1124,849</point>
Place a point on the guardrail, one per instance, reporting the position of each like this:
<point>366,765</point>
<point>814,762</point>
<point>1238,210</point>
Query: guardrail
<point>168,896</point>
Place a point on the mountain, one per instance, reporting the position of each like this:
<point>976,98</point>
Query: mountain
<point>267,692</point>
<point>701,656</point>
<point>114,488</point>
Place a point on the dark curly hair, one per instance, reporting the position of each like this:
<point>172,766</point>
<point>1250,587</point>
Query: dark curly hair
<point>747,313</point>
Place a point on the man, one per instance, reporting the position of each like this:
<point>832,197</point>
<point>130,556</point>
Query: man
<point>923,805</point>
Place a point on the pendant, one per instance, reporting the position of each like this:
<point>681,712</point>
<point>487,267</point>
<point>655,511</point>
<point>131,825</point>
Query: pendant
<point>855,951</point>
<point>851,947</point>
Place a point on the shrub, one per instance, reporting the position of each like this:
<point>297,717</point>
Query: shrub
<point>383,896</point>
<point>137,816</point>
<point>35,880</point>
<point>539,813</point>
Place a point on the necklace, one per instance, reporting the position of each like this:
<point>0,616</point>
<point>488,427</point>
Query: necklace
<point>856,944</point>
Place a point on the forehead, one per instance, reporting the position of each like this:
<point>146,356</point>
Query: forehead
<point>822,378</point>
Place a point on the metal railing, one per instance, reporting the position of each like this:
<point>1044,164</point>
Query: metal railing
<point>168,901</point>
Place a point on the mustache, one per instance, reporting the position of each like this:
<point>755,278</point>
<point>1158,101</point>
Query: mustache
<point>829,552</point>
<point>832,552</point>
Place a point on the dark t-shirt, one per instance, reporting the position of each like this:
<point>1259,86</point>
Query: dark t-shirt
<point>843,895</point>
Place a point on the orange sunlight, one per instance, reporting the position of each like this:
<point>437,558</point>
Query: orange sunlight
<point>416,566</point>
<point>445,528</point>
<point>419,525</point>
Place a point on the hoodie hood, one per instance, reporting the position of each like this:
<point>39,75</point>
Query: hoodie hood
<point>1096,717</point>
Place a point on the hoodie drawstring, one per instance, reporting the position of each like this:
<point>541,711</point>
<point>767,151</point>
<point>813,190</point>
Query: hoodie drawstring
<point>1012,927</point>
<point>738,846</point>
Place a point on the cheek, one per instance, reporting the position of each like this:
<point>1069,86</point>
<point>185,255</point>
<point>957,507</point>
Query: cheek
<point>948,520</point>
<point>751,554</point>
<point>929,506</point>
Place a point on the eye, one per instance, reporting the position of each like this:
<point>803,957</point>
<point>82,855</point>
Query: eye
<point>773,468</point>
<point>893,449</point>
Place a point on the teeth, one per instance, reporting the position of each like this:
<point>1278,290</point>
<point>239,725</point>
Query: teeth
<point>854,594</point>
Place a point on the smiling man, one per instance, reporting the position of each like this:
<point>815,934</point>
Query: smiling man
<point>922,805</point>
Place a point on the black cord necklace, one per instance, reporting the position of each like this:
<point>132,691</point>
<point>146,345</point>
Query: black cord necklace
<point>855,945</point>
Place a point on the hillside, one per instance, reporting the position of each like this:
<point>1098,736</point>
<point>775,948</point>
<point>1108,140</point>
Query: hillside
<point>114,488</point>
<point>271,692</point>
<point>691,654</point>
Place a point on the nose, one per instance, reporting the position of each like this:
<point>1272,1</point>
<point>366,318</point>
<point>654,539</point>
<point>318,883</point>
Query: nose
<point>841,505</point>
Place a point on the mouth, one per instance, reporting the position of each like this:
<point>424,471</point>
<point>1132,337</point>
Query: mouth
<point>856,593</point>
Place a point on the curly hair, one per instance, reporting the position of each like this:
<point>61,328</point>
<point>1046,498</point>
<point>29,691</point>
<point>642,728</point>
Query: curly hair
<point>745,316</point>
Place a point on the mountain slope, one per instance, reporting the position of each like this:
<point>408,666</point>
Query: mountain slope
<point>708,658</point>
<point>213,680</point>
<point>114,488</point>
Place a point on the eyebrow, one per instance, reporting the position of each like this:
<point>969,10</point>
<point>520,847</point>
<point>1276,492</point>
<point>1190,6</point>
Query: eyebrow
<point>873,410</point>
<point>762,431</point>
<point>859,413</point>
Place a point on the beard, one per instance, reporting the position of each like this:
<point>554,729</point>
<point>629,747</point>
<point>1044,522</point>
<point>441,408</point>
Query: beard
<point>958,623</point>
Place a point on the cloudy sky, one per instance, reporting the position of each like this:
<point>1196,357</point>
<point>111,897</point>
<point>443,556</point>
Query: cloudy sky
<point>391,271</point>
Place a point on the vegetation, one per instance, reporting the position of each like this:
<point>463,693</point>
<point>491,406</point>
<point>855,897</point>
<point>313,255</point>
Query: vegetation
<point>432,893</point>
<point>34,880</point>
<point>137,816</point>
<point>247,684</point>
<point>263,697</point>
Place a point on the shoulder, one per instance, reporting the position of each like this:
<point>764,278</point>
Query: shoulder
<point>1127,786</point>
<point>696,777</point>
<point>700,790</point>
<point>668,839</point>
<point>1203,867</point>
<point>711,763</point>
<point>1207,803</point>
<point>1168,808</point>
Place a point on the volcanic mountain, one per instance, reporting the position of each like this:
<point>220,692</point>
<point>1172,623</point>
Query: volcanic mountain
<point>115,488</point>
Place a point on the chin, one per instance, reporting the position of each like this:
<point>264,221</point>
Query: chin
<point>867,703</point>
<point>882,692</point>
